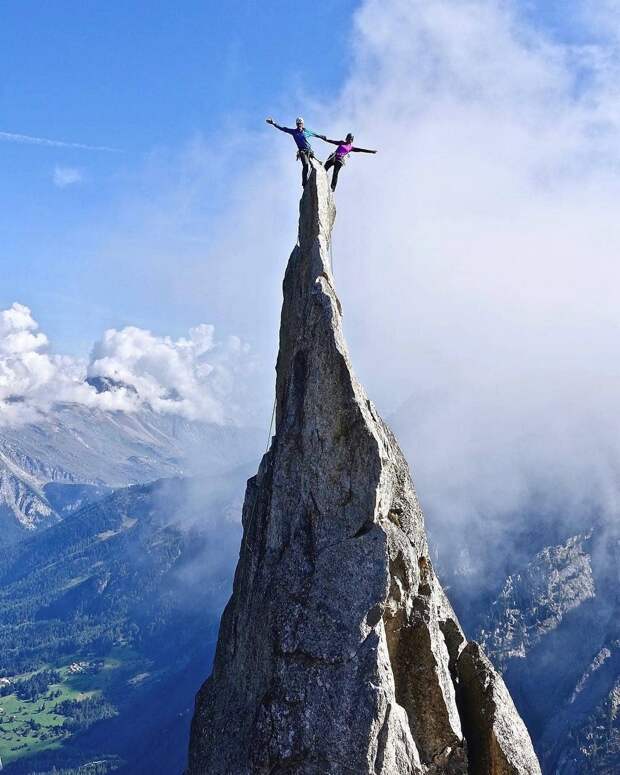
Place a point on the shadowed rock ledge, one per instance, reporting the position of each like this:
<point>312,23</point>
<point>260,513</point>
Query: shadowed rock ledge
<point>338,651</point>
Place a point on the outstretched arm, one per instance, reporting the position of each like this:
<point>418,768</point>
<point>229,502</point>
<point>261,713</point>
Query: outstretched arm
<point>277,126</point>
<point>333,142</point>
<point>362,150</point>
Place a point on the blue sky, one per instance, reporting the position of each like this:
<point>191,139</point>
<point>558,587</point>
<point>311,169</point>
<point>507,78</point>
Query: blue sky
<point>143,77</point>
<point>146,78</point>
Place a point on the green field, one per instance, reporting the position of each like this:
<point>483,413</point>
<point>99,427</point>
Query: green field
<point>136,607</point>
<point>32,726</point>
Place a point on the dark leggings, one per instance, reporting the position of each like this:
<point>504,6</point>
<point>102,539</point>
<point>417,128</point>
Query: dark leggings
<point>304,157</point>
<point>337,165</point>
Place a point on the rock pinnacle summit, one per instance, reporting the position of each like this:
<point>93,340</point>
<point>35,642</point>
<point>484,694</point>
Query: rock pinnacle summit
<point>338,652</point>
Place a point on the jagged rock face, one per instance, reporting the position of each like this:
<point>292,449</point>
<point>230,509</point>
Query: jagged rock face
<point>593,748</point>
<point>535,601</point>
<point>554,631</point>
<point>338,651</point>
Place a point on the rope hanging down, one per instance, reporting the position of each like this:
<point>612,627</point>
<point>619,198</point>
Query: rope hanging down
<point>273,415</point>
<point>251,520</point>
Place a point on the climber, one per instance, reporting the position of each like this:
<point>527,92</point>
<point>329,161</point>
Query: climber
<point>304,149</point>
<point>339,156</point>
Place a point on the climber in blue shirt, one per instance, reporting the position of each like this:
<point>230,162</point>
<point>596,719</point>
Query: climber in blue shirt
<point>304,149</point>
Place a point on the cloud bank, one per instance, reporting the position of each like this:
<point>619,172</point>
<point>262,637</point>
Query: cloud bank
<point>483,300</point>
<point>197,377</point>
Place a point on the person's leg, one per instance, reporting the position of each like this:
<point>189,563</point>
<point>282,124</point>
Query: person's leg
<point>304,173</point>
<point>337,168</point>
<point>328,165</point>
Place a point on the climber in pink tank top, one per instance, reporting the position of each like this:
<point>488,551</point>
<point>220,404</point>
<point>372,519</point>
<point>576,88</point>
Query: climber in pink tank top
<point>339,156</point>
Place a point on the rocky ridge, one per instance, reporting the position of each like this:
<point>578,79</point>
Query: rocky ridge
<point>535,601</point>
<point>553,631</point>
<point>339,651</point>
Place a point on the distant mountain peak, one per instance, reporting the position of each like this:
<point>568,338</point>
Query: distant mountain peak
<point>54,463</point>
<point>109,385</point>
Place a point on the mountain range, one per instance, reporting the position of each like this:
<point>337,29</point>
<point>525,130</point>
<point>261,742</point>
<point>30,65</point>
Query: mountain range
<point>554,632</point>
<point>74,455</point>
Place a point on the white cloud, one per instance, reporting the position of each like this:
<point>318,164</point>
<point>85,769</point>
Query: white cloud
<point>66,176</point>
<point>30,378</point>
<point>198,376</point>
<point>18,331</point>
<point>193,376</point>
<point>488,285</point>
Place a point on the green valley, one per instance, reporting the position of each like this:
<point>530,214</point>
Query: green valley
<point>107,626</point>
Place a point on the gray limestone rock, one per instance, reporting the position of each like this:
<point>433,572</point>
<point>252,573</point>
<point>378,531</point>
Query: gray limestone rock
<point>338,651</point>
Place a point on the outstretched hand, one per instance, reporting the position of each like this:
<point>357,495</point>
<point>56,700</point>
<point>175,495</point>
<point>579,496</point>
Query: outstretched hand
<point>270,120</point>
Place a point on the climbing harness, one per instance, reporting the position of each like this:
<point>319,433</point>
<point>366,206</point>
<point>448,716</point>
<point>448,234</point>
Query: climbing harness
<point>342,160</point>
<point>309,153</point>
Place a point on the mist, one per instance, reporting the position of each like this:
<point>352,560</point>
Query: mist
<point>486,318</point>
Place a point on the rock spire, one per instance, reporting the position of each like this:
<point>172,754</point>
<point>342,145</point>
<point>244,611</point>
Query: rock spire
<point>338,652</point>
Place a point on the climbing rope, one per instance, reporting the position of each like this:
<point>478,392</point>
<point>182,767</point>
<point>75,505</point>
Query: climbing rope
<point>251,520</point>
<point>273,417</point>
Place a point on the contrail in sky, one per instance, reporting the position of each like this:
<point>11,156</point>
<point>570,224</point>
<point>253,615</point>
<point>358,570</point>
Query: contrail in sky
<point>11,137</point>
